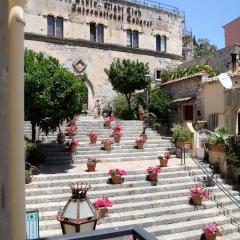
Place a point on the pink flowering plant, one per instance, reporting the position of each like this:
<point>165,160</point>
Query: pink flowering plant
<point>92,134</point>
<point>214,228</point>
<point>116,133</point>
<point>93,160</point>
<point>139,140</point>
<point>167,155</point>
<point>117,172</point>
<point>117,128</point>
<point>107,141</point>
<point>199,191</point>
<point>74,142</point>
<point>102,202</point>
<point>154,170</point>
<point>109,119</point>
<point>71,130</point>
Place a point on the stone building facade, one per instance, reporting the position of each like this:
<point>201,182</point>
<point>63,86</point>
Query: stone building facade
<point>87,35</point>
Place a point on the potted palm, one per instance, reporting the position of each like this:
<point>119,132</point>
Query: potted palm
<point>153,173</point>
<point>164,159</point>
<point>116,175</point>
<point>101,206</point>
<point>91,163</point>
<point>93,136</point>
<point>197,194</point>
<point>181,136</point>
<point>212,231</point>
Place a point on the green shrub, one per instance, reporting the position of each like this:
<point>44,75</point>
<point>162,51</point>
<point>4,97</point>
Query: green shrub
<point>32,154</point>
<point>219,136</point>
<point>232,150</point>
<point>181,133</point>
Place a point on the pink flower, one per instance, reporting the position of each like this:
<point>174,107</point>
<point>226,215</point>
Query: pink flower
<point>213,228</point>
<point>167,155</point>
<point>117,128</point>
<point>139,140</point>
<point>116,133</point>
<point>103,202</point>
<point>107,141</point>
<point>110,119</point>
<point>153,170</point>
<point>92,134</point>
<point>117,172</point>
<point>74,142</point>
<point>199,191</point>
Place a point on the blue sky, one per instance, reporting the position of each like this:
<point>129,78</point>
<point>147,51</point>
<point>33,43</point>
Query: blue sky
<point>207,17</point>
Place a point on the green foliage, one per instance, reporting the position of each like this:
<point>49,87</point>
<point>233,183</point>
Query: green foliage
<point>168,75</point>
<point>121,109</point>
<point>33,155</point>
<point>127,76</point>
<point>232,150</point>
<point>52,93</point>
<point>159,104</point>
<point>181,133</point>
<point>219,136</point>
<point>28,173</point>
<point>203,47</point>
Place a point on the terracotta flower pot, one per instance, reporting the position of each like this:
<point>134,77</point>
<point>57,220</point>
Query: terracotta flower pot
<point>215,147</point>
<point>116,179</point>
<point>107,146</point>
<point>93,139</point>
<point>140,145</point>
<point>210,236</point>
<point>102,212</point>
<point>61,138</point>
<point>117,139</point>
<point>163,162</point>
<point>28,180</point>
<point>72,148</point>
<point>152,176</point>
<point>186,144</point>
<point>144,136</point>
<point>141,117</point>
<point>91,167</point>
<point>197,200</point>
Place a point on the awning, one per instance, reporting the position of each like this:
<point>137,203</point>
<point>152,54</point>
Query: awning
<point>179,100</point>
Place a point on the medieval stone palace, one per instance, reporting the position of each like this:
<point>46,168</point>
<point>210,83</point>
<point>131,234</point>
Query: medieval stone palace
<point>87,35</point>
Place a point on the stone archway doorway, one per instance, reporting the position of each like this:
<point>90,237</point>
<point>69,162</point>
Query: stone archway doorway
<point>90,99</point>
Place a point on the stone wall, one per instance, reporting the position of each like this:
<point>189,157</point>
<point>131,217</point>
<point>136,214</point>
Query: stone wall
<point>4,214</point>
<point>221,60</point>
<point>96,59</point>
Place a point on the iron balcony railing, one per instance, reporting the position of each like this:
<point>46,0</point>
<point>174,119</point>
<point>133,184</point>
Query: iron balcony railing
<point>135,231</point>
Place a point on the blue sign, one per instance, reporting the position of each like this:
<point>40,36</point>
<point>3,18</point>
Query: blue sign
<point>32,224</point>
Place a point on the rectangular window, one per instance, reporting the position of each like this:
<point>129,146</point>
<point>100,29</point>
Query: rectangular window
<point>129,38</point>
<point>163,44</point>
<point>158,43</point>
<point>100,33</point>
<point>50,25</point>
<point>135,40</point>
<point>93,32</point>
<point>158,74</point>
<point>59,27</point>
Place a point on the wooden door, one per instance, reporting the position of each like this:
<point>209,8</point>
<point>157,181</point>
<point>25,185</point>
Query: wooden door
<point>188,113</point>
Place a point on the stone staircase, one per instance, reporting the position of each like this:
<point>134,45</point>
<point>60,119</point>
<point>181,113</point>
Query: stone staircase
<point>163,210</point>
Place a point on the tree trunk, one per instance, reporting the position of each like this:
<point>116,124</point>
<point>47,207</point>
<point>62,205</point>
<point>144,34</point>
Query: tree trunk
<point>128,97</point>
<point>33,132</point>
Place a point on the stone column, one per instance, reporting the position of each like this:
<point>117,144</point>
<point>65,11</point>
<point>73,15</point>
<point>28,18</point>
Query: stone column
<point>16,170</point>
<point>4,213</point>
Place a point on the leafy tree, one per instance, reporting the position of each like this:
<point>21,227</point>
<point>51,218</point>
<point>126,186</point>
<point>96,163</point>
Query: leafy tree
<point>203,47</point>
<point>127,76</point>
<point>52,93</point>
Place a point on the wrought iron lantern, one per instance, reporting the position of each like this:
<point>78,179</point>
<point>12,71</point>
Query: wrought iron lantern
<point>79,215</point>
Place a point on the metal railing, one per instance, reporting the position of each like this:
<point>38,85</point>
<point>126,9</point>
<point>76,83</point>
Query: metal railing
<point>209,176</point>
<point>135,231</point>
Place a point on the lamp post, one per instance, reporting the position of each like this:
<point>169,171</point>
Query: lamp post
<point>79,215</point>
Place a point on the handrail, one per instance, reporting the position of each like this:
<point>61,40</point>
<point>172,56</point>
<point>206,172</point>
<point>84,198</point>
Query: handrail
<point>213,179</point>
<point>136,231</point>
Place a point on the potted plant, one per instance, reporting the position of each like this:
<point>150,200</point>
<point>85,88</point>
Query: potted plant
<point>181,136</point>
<point>144,135</point>
<point>73,145</point>
<point>93,136</point>
<point>197,194</point>
<point>71,131</point>
<point>116,175</point>
<point>140,143</point>
<point>212,231</point>
<point>91,163</point>
<point>164,159</point>
<point>107,144</point>
<point>61,137</point>
<point>101,206</point>
<point>117,128</point>
<point>108,121</point>
<point>116,136</point>
<point>217,139</point>
<point>28,176</point>
<point>141,112</point>
<point>153,173</point>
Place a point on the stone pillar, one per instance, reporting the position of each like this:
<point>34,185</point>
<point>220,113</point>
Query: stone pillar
<point>16,170</point>
<point>4,207</point>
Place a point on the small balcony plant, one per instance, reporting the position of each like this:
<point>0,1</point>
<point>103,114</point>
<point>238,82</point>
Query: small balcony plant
<point>163,158</point>
<point>93,136</point>
<point>140,143</point>
<point>153,173</point>
<point>116,175</point>
<point>197,194</point>
<point>212,231</point>
<point>73,145</point>
<point>107,144</point>
<point>102,205</point>
<point>91,163</point>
